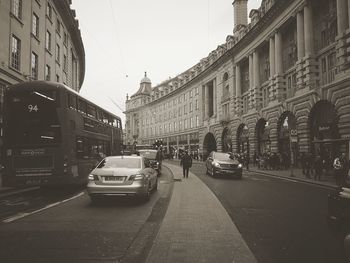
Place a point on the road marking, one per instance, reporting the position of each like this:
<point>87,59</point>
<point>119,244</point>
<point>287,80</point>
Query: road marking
<point>21,215</point>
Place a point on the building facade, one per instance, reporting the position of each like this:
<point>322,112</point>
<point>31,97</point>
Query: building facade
<point>40,40</point>
<point>279,84</point>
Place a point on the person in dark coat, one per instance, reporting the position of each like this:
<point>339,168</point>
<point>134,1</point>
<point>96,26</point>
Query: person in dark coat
<point>160,157</point>
<point>186,162</point>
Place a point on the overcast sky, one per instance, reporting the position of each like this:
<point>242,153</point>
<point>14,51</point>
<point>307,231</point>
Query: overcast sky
<point>123,39</point>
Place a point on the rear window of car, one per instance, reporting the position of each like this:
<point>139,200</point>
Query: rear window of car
<point>120,163</point>
<point>148,154</point>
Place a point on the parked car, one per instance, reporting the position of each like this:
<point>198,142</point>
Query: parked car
<point>124,176</point>
<point>151,155</point>
<point>339,217</point>
<point>223,164</point>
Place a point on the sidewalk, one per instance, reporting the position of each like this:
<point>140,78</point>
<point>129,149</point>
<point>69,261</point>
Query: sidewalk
<point>196,227</point>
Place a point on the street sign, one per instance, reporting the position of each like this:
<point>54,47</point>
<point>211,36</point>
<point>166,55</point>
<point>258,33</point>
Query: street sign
<point>294,139</point>
<point>293,132</point>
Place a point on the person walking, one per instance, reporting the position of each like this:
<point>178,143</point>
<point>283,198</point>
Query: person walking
<point>340,166</point>
<point>186,162</point>
<point>318,168</point>
<point>160,157</point>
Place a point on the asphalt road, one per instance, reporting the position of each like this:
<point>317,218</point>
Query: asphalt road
<point>64,226</point>
<point>280,220</point>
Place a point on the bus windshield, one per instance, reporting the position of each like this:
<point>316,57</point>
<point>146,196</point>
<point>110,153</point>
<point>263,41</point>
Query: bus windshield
<point>32,118</point>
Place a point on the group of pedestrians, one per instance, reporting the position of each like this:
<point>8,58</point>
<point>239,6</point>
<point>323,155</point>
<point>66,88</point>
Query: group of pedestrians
<point>272,161</point>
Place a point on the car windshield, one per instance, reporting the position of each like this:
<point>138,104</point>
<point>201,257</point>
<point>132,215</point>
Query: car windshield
<point>148,154</point>
<point>120,163</point>
<point>222,156</point>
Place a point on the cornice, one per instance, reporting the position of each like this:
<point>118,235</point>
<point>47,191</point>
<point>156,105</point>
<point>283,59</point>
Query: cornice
<point>68,17</point>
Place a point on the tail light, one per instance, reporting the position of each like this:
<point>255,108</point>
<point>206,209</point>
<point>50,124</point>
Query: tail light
<point>137,177</point>
<point>65,164</point>
<point>93,177</point>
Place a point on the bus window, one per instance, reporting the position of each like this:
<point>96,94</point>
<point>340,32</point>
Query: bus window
<point>81,106</point>
<point>34,118</point>
<point>91,111</point>
<point>72,101</point>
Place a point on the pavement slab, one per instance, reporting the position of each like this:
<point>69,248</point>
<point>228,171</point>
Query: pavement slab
<point>196,227</point>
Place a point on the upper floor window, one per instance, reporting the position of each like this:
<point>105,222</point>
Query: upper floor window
<point>58,53</point>
<point>17,7</point>
<point>47,73</point>
<point>58,26</point>
<point>48,41</point>
<point>15,52</point>
<point>49,11</point>
<point>34,65</point>
<point>35,25</point>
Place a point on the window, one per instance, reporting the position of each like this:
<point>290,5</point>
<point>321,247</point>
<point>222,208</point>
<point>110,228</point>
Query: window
<point>49,11</point>
<point>17,8</point>
<point>47,73</point>
<point>58,51</point>
<point>35,25</point>
<point>197,121</point>
<point>58,26</point>
<point>65,39</point>
<point>196,104</point>
<point>191,93</point>
<point>34,65</point>
<point>65,63</point>
<point>57,78</point>
<point>197,90</point>
<point>191,107</point>
<point>15,52</point>
<point>48,41</point>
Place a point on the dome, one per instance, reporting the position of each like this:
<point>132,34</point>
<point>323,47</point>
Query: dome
<point>145,79</point>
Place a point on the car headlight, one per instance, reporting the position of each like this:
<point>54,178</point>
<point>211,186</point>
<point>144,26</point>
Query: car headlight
<point>216,164</point>
<point>240,165</point>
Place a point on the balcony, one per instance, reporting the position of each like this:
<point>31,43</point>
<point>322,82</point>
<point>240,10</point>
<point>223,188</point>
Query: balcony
<point>224,119</point>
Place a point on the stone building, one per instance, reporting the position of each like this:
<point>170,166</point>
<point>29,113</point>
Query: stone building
<point>280,84</point>
<point>40,40</point>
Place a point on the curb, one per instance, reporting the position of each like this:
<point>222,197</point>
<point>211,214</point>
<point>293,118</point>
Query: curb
<point>295,179</point>
<point>12,191</point>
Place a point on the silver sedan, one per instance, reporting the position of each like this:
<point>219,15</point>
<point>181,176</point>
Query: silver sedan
<point>122,176</point>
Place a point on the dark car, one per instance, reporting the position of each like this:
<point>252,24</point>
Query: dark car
<point>223,164</point>
<point>151,156</point>
<point>339,217</point>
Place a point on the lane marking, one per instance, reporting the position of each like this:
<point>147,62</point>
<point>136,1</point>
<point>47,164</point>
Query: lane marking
<point>22,215</point>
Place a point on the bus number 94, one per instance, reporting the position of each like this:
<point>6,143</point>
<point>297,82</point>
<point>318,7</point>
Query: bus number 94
<point>32,108</point>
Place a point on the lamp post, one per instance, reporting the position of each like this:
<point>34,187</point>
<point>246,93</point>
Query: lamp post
<point>293,138</point>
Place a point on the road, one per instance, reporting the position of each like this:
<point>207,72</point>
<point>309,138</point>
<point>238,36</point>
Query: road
<point>280,220</point>
<point>64,226</point>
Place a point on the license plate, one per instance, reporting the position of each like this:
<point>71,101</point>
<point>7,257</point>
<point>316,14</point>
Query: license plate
<point>114,178</point>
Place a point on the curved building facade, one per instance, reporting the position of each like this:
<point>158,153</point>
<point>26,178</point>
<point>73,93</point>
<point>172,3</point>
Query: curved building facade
<point>279,84</point>
<point>40,40</point>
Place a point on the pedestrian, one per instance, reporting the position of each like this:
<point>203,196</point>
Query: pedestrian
<point>340,166</point>
<point>159,157</point>
<point>318,167</point>
<point>246,160</point>
<point>186,162</point>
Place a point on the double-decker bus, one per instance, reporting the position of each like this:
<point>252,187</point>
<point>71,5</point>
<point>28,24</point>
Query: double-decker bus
<point>54,136</point>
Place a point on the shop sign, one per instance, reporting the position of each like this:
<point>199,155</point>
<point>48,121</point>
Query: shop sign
<point>324,128</point>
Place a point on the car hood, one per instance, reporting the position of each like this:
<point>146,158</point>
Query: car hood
<point>115,171</point>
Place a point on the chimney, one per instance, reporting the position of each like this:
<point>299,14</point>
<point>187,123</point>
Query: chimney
<point>240,12</point>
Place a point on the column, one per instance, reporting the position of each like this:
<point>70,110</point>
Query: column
<point>300,35</point>
<point>272,57</point>
<point>308,30</point>
<point>238,82</point>
<point>207,108</point>
<point>278,54</point>
<point>215,97</point>
<point>251,72</point>
<point>342,15</point>
<point>256,69</point>
<point>238,89</point>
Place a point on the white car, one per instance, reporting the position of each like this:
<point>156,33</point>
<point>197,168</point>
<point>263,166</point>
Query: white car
<point>122,176</point>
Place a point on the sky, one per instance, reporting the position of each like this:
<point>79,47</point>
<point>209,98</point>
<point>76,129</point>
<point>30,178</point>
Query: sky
<point>123,39</point>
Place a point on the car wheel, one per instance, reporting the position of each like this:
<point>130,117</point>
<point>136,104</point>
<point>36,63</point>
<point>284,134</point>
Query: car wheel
<point>147,195</point>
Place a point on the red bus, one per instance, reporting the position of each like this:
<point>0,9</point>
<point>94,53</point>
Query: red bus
<point>54,136</point>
